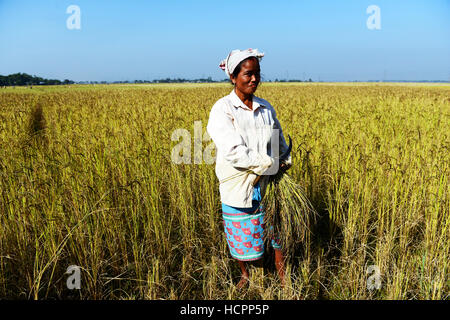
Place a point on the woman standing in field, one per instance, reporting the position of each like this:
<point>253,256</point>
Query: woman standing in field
<point>241,126</point>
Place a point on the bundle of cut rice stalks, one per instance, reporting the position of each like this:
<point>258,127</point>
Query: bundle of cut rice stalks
<point>289,215</point>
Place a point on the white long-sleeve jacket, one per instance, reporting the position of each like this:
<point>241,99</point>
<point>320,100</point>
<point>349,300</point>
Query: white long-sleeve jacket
<point>243,146</point>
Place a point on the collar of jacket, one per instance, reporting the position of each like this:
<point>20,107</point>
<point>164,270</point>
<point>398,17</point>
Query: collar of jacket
<point>237,102</point>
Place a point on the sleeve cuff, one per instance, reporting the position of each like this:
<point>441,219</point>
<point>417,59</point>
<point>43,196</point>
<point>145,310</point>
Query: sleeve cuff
<point>288,160</point>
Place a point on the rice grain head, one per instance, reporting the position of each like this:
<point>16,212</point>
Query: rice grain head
<point>289,215</point>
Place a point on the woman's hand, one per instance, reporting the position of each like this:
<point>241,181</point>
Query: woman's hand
<point>285,166</point>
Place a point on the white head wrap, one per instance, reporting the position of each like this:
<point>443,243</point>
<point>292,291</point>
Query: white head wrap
<point>236,56</point>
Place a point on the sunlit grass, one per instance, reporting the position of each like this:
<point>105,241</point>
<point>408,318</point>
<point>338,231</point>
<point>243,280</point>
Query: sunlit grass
<point>86,179</point>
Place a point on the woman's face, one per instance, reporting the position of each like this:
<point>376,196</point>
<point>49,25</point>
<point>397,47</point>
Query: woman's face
<point>248,78</point>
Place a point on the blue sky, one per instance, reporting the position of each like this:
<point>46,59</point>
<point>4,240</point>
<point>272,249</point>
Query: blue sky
<point>322,40</point>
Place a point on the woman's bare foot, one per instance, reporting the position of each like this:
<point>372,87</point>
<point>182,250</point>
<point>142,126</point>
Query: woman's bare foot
<point>279,264</point>
<point>244,276</point>
<point>244,281</point>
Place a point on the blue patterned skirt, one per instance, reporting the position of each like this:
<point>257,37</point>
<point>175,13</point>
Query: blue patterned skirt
<point>244,229</point>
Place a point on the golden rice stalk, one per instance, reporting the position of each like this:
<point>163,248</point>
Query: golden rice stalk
<point>289,215</point>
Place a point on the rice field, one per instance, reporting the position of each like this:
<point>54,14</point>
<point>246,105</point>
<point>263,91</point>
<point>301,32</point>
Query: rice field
<point>86,179</point>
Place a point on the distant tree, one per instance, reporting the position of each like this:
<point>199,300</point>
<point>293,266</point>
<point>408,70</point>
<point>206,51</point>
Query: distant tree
<point>23,79</point>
